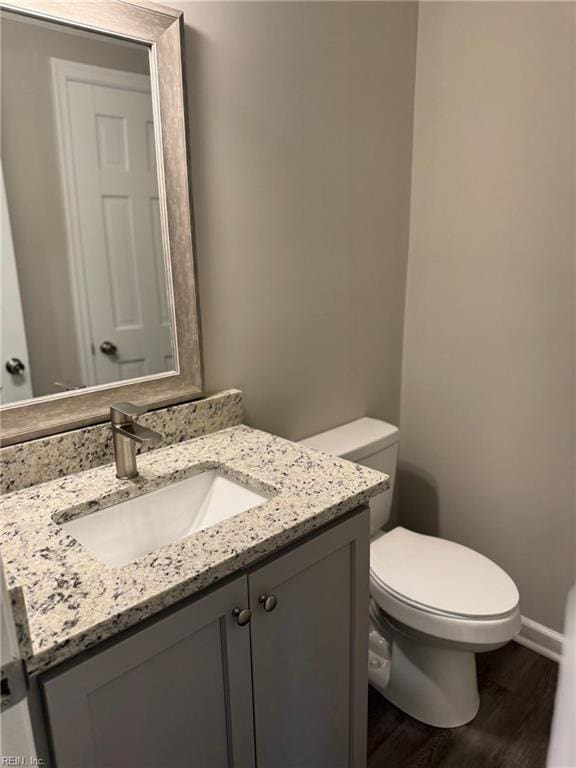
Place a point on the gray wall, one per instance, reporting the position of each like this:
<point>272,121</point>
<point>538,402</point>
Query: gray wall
<point>301,135</point>
<point>487,422</point>
<point>33,186</point>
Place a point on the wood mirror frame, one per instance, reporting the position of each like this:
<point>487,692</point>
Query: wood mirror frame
<point>161,29</point>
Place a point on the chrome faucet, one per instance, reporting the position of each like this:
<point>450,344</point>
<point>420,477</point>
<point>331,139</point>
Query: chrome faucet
<point>127,433</point>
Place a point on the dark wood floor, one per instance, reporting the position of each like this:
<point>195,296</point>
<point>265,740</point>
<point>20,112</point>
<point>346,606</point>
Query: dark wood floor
<point>511,729</point>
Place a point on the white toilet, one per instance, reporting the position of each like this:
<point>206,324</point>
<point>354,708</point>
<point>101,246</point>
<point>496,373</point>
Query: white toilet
<point>434,603</point>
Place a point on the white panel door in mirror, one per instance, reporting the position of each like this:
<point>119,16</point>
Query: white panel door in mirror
<point>120,265</point>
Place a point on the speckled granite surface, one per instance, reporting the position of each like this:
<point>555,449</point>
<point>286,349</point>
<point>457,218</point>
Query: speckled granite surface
<point>73,601</point>
<point>38,461</point>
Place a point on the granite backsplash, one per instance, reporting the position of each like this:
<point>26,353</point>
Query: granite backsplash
<point>38,461</point>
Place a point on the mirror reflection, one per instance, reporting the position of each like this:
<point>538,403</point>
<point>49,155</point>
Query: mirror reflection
<point>85,297</point>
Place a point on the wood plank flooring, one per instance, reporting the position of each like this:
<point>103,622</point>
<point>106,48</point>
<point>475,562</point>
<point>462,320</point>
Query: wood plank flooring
<point>511,729</point>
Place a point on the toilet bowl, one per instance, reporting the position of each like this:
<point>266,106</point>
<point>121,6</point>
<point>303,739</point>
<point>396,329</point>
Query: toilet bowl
<point>434,603</point>
<point>435,617</point>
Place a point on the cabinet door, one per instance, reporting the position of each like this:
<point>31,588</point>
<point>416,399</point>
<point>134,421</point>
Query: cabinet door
<point>176,694</point>
<point>310,651</point>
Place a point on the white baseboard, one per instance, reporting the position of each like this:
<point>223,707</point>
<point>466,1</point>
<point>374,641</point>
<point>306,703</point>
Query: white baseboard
<point>541,639</point>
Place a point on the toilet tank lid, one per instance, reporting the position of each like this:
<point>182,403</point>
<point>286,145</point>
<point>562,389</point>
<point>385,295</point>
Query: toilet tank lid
<point>356,440</point>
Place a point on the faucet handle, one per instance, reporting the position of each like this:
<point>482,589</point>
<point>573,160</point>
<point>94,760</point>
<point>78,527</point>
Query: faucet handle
<point>122,413</point>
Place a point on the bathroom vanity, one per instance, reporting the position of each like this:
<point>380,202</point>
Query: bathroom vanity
<point>271,667</point>
<point>242,643</point>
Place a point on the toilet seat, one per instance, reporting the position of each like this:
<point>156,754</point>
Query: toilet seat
<point>443,589</point>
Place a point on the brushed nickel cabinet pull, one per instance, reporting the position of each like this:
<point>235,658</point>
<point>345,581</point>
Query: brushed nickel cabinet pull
<point>268,602</point>
<point>243,616</point>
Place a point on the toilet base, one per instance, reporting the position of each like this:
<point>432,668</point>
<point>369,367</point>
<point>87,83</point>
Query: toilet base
<point>433,683</point>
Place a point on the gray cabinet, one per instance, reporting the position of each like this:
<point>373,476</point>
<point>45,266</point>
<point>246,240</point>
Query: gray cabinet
<point>195,689</point>
<point>310,652</point>
<point>176,694</point>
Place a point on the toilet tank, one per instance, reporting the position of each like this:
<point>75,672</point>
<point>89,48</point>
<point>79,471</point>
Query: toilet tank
<point>371,443</point>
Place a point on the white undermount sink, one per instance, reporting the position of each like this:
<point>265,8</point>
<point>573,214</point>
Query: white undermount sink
<point>121,533</point>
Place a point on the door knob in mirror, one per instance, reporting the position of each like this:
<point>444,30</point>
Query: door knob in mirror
<point>108,348</point>
<point>15,366</point>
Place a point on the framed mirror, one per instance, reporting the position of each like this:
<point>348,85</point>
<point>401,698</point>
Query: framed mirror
<point>99,299</point>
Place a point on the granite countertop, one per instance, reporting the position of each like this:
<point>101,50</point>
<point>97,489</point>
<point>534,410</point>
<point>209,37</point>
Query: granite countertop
<point>65,601</point>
